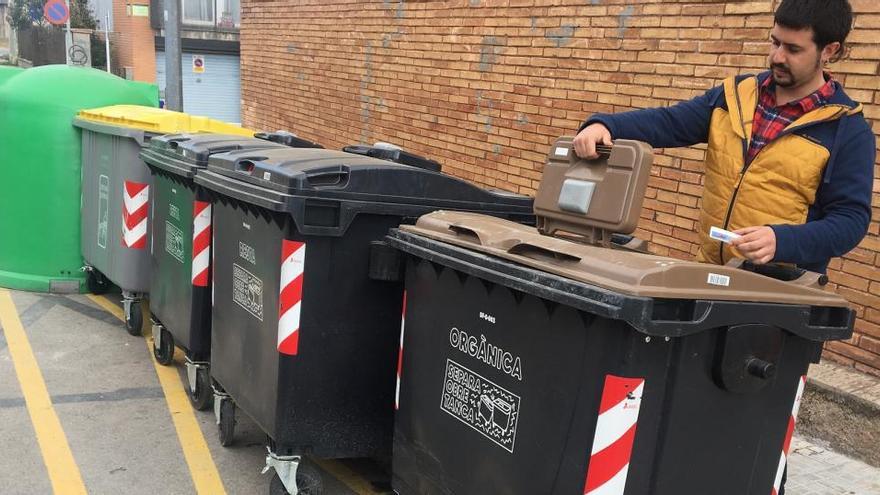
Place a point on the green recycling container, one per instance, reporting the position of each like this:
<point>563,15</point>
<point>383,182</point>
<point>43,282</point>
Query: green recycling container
<point>40,167</point>
<point>7,72</point>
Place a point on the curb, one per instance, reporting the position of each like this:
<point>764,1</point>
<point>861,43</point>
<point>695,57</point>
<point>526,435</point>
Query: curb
<point>841,409</point>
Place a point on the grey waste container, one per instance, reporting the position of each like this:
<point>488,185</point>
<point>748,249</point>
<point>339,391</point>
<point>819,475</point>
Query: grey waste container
<point>115,214</point>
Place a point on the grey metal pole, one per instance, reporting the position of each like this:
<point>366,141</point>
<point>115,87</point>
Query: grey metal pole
<point>173,76</point>
<point>107,38</point>
<point>68,37</point>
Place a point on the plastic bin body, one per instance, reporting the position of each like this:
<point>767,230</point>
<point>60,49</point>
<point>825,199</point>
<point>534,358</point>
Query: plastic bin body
<point>327,387</point>
<point>332,399</point>
<point>178,300</point>
<point>115,204</point>
<point>600,392</point>
<point>180,297</point>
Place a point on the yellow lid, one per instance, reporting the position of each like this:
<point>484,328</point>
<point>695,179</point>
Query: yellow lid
<point>159,121</point>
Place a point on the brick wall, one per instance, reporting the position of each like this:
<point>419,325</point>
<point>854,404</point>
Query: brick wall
<point>134,41</point>
<point>485,86</point>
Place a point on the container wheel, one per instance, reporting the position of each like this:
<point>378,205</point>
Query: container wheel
<point>202,396</point>
<point>96,282</point>
<point>134,320</point>
<point>226,428</point>
<point>164,353</point>
<point>308,481</point>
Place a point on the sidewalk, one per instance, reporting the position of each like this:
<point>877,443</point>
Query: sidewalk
<point>814,470</point>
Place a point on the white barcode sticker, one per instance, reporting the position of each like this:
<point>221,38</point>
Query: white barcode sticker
<point>561,151</point>
<point>716,279</point>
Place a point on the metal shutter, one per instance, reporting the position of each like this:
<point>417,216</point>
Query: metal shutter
<point>215,93</point>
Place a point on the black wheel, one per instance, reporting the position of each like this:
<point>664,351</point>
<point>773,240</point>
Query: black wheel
<point>134,321</point>
<point>203,394</point>
<point>96,282</point>
<point>164,353</point>
<point>226,428</point>
<point>308,481</point>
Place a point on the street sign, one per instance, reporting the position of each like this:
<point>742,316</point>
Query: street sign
<point>56,12</point>
<point>198,64</point>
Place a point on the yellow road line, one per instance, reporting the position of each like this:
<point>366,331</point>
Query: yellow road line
<point>63,471</point>
<point>351,479</point>
<point>195,449</point>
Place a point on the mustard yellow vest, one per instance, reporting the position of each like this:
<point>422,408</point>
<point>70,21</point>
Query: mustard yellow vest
<point>777,187</point>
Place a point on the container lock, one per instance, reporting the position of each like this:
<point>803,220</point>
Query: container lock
<point>748,357</point>
<point>760,368</point>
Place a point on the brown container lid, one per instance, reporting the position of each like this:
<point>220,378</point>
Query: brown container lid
<point>625,272</point>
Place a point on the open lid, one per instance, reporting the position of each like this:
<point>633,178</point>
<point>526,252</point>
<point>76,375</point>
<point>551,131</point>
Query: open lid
<point>593,199</point>
<point>279,174</point>
<point>184,154</point>
<point>624,272</point>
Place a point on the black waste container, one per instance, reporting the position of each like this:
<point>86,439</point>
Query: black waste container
<point>307,299</point>
<point>180,288</point>
<point>531,364</point>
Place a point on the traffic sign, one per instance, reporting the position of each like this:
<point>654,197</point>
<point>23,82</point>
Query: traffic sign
<point>56,12</point>
<point>198,64</point>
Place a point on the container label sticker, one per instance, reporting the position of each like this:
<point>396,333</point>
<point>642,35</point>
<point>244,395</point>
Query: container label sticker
<point>103,209</point>
<point>174,241</point>
<point>561,151</point>
<point>247,291</point>
<point>247,253</point>
<point>485,351</point>
<point>174,212</point>
<point>716,279</point>
<point>481,404</point>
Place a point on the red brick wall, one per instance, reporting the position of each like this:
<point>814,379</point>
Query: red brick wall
<point>485,86</point>
<point>134,41</point>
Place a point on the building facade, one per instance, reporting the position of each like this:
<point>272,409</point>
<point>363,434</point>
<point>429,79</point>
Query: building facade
<point>210,45</point>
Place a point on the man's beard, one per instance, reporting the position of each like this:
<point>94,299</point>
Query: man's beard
<point>788,80</point>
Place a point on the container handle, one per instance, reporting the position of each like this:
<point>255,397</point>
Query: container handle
<point>466,233</point>
<point>328,177</point>
<point>542,253</point>
<point>245,166</point>
<point>786,273</point>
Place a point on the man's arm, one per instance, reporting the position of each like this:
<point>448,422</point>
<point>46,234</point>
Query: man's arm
<point>845,203</point>
<point>683,124</point>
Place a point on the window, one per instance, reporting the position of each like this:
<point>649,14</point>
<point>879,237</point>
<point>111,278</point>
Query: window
<point>220,13</point>
<point>230,13</point>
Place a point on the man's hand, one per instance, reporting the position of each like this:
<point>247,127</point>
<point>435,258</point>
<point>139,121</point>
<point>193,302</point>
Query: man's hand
<point>757,244</point>
<point>586,140</point>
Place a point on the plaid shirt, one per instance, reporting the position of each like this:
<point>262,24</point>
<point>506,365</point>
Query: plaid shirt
<point>770,120</point>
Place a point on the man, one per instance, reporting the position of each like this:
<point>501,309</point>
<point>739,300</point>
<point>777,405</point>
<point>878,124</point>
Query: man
<point>790,157</point>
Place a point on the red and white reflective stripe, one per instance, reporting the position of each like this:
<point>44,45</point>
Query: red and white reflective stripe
<point>400,353</point>
<point>136,200</point>
<point>615,434</point>
<point>792,420</point>
<point>293,260</point>
<point>201,260</point>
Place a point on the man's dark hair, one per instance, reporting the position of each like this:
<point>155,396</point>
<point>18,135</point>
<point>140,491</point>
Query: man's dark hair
<point>831,20</point>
